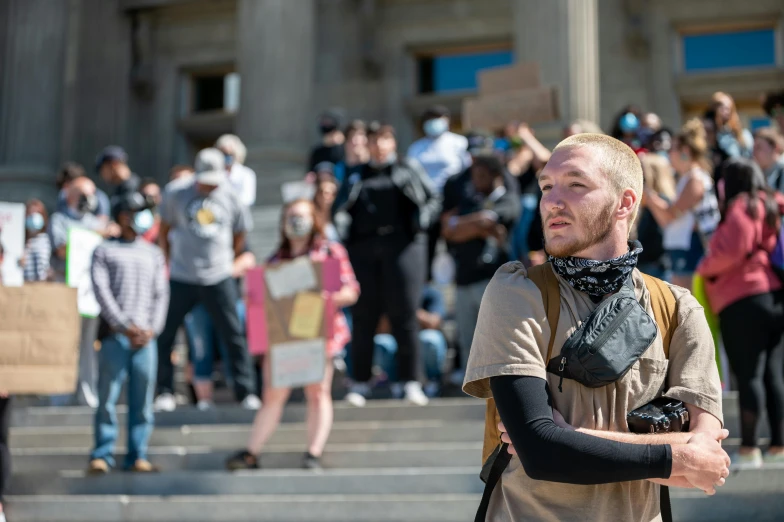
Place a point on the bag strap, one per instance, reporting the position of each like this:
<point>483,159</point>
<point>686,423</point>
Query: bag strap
<point>544,279</point>
<point>665,309</point>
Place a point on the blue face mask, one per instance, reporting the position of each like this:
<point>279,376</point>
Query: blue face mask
<point>629,123</point>
<point>34,222</point>
<point>142,221</point>
<point>435,127</point>
<point>229,159</point>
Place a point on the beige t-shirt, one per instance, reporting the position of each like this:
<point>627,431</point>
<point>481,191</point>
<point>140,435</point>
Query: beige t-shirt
<point>511,338</point>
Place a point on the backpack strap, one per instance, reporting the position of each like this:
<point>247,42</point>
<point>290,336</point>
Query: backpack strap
<point>665,309</point>
<point>494,456</point>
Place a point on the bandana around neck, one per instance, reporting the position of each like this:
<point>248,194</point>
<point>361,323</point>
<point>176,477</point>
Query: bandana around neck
<point>597,278</point>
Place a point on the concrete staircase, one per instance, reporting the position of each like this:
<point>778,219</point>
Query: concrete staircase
<point>385,462</point>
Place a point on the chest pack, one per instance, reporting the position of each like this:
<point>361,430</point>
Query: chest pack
<point>494,455</point>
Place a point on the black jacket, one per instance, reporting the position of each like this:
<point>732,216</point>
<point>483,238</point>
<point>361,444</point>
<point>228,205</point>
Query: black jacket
<point>408,176</point>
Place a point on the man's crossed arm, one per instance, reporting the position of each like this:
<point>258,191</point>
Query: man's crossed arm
<point>557,452</point>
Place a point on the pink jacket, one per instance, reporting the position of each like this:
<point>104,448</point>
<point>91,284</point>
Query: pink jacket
<point>737,264</point>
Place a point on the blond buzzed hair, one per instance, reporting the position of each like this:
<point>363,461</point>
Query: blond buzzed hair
<point>618,161</point>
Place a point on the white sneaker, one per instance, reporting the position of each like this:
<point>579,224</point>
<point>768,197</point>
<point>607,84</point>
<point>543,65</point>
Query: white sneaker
<point>357,395</point>
<point>251,402</point>
<point>414,394</point>
<point>751,460</point>
<point>165,402</point>
<point>204,405</point>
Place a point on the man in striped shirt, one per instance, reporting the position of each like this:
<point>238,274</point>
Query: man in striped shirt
<point>129,281</point>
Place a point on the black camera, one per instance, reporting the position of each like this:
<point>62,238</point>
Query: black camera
<point>662,415</point>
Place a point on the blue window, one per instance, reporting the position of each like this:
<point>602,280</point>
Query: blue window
<point>456,72</point>
<point>759,123</point>
<point>729,50</point>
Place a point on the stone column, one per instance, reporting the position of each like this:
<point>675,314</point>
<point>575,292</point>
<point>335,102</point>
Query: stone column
<point>33,36</point>
<point>276,62</point>
<point>562,36</point>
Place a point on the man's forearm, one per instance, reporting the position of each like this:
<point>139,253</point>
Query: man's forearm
<point>639,438</point>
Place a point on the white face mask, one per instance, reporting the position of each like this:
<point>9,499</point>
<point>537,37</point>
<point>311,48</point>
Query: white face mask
<point>435,127</point>
<point>298,227</point>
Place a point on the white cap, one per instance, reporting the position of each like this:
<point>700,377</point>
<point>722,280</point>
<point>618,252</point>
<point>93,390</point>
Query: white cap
<point>210,166</point>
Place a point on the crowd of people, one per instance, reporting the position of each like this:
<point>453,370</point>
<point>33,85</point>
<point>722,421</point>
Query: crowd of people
<point>175,257</point>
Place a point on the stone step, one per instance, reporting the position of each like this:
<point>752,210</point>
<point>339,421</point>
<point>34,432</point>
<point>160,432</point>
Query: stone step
<point>236,435</point>
<point>448,410</point>
<point>366,456</point>
<point>410,480</point>
<point>687,506</point>
<point>451,410</point>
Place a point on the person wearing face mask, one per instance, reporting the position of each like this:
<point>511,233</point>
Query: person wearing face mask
<point>302,234</point>
<point>356,149</point>
<point>332,141</point>
<point>627,128</point>
<point>389,204</point>
<point>151,191</point>
<point>38,248</point>
<point>82,202</point>
<point>443,154</point>
<point>129,280</point>
<point>769,155</point>
<point>208,224</point>
<point>242,178</point>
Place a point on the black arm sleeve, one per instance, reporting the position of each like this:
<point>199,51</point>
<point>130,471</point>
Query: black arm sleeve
<point>551,453</point>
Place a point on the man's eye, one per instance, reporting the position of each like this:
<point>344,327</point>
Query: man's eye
<point>546,187</point>
<point>577,185</point>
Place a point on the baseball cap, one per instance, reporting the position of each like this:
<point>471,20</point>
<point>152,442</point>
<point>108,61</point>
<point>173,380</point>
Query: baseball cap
<point>210,166</point>
<point>480,142</point>
<point>130,202</point>
<point>111,153</point>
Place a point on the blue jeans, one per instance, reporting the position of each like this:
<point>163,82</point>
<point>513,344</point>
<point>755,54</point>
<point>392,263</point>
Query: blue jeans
<point>203,337</point>
<point>117,360</point>
<point>433,351</point>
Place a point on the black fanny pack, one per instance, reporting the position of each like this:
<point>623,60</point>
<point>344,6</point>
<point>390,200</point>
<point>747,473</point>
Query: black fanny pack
<point>608,343</point>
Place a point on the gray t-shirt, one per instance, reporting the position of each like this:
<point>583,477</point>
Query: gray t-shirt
<point>59,225</point>
<point>201,242</point>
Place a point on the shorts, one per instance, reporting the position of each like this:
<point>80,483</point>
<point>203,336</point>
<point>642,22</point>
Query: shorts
<point>684,262</point>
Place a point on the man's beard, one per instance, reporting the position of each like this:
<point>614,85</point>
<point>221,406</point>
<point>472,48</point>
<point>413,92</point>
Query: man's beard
<point>599,226</point>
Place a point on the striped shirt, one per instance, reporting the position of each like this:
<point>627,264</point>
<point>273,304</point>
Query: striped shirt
<point>129,281</point>
<point>37,254</point>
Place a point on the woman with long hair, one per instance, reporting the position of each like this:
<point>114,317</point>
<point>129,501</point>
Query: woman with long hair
<point>38,247</point>
<point>688,221</point>
<point>731,138</point>
<point>746,292</point>
<point>324,199</point>
<point>302,234</point>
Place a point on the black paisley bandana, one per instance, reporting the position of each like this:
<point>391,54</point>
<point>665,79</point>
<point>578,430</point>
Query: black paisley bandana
<point>597,278</point>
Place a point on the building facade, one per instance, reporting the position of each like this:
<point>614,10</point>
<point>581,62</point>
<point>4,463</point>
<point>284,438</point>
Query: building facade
<point>164,78</point>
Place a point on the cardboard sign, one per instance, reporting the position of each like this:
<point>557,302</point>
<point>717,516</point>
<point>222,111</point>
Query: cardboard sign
<point>513,78</point>
<point>78,262</point>
<point>12,236</point>
<point>292,328</point>
<point>532,106</point>
<point>39,335</point>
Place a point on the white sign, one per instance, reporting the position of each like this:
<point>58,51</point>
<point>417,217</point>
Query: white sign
<point>12,236</point>
<point>298,363</point>
<point>291,278</point>
<point>78,262</point>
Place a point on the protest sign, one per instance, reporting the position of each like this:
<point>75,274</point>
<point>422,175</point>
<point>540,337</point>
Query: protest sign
<point>12,236</point>
<point>290,319</point>
<point>78,262</point>
<point>39,335</point>
<point>513,78</point>
<point>532,106</point>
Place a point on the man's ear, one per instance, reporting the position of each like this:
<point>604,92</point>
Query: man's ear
<point>628,203</point>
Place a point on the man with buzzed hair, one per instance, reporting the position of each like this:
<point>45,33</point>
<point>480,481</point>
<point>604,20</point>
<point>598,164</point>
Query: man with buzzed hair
<point>577,460</point>
<point>81,202</point>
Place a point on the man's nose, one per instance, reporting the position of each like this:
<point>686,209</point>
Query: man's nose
<point>552,200</point>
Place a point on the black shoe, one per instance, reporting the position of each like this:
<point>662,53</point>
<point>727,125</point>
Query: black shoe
<point>311,462</point>
<point>242,460</point>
